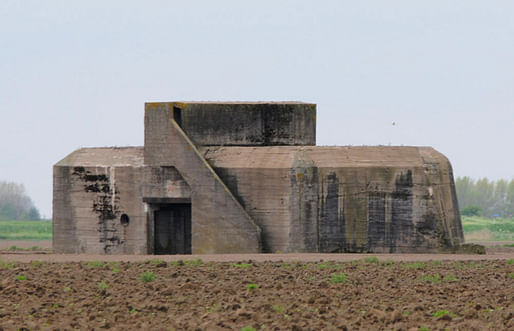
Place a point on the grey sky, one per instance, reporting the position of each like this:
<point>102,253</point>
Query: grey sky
<point>77,73</point>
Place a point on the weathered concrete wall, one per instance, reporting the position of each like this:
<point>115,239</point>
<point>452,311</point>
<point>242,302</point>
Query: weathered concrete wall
<point>344,199</point>
<point>247,123</point>
<point>164,182</point>
<point>89,201</point>
<point>94,187</point>
<point>219,223</point>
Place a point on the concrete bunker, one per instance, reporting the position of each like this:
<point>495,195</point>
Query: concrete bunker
<point>247,177</point>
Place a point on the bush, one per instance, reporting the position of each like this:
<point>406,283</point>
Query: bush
<point>471,211</point>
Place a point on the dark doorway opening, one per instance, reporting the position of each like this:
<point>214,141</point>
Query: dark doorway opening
<point>172,232</point>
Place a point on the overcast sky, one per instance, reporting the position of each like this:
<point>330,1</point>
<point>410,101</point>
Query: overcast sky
<point>77,73</point>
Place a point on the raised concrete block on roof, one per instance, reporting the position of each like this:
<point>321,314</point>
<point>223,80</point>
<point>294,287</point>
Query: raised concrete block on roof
<point>245,123</point>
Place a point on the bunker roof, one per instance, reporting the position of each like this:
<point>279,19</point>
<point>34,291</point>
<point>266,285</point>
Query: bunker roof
<point>104,156</point>
<point>270,156</point>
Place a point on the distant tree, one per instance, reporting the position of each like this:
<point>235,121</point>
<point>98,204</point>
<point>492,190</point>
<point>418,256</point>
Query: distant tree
<point>471,211</point>
<point>510,199</point>
<point>15,204</point>
<point>492,197</point>
<point>33,214</point>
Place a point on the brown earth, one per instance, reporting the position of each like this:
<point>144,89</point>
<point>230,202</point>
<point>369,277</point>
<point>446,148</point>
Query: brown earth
<point>195,294</point>
<point>44,244</point>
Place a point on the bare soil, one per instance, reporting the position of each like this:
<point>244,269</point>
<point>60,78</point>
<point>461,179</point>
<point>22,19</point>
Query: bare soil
<point>289,295</point>
<point>44,244</point>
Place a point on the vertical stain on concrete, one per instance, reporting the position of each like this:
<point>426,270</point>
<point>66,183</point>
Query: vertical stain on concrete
<point>303,233</point>
<point>104,204</point>
<point>401,219</point>
<point>332,229</point>
<point>376,220</point>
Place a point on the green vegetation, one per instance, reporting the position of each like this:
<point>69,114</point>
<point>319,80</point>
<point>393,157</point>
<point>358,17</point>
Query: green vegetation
<point>193,263</point>
<point>488,229</point>
<point>21,277</point>
<point>102,285</point>
<point>252,287</point>
<point>371,259</point>
<point>33,248</point>
<point>156,262</point>
<point>248,328</point>
<point>115,266</point>
<point>95,264</point>
<point>508,245</point>
<point>278,309</point>
<point>471,211</point>
<point>26,230</point>
<point>338,278</point>
<point>510,261</point>
<point>329,266</point>
<point>7,265</point>
<point>241,265</point>
<point>414,265</point>
<point>442,313</point>
<point>147,277</point>
<point>485,198</point>
<point>450,278</point>
<point>432,278</point>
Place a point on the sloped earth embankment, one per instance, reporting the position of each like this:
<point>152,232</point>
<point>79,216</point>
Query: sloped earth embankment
<point>189,295</point>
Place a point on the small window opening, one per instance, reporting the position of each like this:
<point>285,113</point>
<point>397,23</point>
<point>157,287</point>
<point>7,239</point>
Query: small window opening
<point>177,115</point>
<point>124,220</point>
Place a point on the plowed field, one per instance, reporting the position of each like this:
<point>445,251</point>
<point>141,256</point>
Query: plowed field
<point>188,295</point>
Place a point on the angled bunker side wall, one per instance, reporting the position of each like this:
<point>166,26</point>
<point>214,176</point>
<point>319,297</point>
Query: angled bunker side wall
<point>344,199</point>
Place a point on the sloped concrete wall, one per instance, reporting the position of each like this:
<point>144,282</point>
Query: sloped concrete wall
<point>219,223</point>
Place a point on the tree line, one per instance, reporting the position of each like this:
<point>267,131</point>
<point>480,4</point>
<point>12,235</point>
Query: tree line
<point>15,204</point>
<point>485,197</point>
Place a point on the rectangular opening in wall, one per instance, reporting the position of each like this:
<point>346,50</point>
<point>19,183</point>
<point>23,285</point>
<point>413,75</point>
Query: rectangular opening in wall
<point>177,115</point>
<point>172,229</point>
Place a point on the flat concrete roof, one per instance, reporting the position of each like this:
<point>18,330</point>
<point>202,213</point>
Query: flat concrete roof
<point>321,156</point>
<point>267,156</point>
<point>104,156</point>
